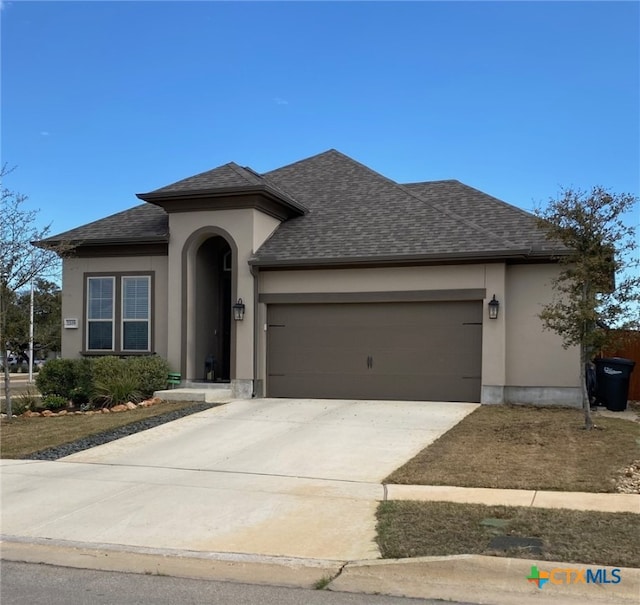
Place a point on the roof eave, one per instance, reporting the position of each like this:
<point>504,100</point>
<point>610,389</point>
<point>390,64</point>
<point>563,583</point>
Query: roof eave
<point>108,241</point>
<point>518,254</point>
<point>159,197</point>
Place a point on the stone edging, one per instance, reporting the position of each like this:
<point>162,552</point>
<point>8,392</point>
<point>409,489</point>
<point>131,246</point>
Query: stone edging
<point>123,407</point>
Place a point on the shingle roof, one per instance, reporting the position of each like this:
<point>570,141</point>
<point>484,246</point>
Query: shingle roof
<point>142,223</point>
<point>353,215</point>
<point>356,213</point>
<point>227,175</point>
<point>485,211</point>
<point>221,180</point>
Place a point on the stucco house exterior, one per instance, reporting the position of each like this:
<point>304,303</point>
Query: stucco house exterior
<point>353,286</point>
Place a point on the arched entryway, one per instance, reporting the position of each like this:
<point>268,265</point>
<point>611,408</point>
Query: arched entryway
<point>213,280</point>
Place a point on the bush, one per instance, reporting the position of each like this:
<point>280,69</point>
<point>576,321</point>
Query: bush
<point>27,400</point>
<point>115,381</point>
<point>64,376</point>
<point>19,405</point>
<point>79,396</point>
<point>54,402</point>
<point>105,380</point>
<point>57,378</point>
<point>151,373</point>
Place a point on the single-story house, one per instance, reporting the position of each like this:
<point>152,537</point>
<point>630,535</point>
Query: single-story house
<point>349,285</point>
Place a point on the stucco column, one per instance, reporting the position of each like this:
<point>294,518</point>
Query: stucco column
<point>243,380</point>
<point>494,361</point>
<point>174,303</point>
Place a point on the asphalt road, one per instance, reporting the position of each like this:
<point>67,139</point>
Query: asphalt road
<point>32,584</point>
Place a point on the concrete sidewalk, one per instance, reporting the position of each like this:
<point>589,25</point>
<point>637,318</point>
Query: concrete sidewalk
<point>605,503</point>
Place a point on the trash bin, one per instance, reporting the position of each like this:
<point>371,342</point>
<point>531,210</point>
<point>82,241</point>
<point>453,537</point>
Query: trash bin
<point>612,375</point>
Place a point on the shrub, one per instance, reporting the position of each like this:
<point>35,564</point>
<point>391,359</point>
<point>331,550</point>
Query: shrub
<point>54,402</point>
<point>79,396</point>
<point>105,380</point>
<point>57,378</point>
<point>27,400</point>
<point>105,368</point>
<point>151,373</point>
<point>119,388</point>
<point>63,376</point>
<point>20,404</point>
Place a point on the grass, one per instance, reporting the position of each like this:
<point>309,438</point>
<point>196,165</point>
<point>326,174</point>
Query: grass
<point>517,447</point>
<point>23,436</point>
<point>416,529</point>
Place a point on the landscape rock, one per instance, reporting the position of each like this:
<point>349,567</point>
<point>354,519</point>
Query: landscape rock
<point>629,479</point>
<point>119,408</point>
<point>59,451</point>
<point>106,411</point>
<point>130,405</point>
<point>62,413</point>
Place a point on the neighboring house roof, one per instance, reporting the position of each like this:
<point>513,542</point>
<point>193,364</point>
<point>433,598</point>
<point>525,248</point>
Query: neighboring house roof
<point>344,213</point>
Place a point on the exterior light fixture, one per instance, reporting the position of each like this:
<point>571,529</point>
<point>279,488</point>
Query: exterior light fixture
<point>238,310</point>
<point>494,305</point>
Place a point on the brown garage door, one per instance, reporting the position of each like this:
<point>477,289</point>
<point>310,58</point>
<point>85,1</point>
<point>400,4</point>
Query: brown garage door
<point>428,351</point>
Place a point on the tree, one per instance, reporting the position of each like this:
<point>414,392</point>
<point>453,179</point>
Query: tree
<point>20,260</point>
<point>47,314</point>
<point>598,286</point>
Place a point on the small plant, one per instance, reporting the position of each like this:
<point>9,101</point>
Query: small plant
<point>118,384</point>
<point>79,396</point>
<point>322,583</point>
<point>27,400</point>
<point>18,406</point>
<point>54,402</point>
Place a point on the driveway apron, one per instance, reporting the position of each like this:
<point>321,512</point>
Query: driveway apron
<point>283,477</point>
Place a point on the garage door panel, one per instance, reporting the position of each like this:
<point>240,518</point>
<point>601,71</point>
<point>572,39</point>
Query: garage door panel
<point>310,358</point>
<point>424,351</point>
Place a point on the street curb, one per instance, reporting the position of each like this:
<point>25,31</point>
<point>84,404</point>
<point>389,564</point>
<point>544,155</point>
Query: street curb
<point>231,567</point>
<point>483,580</point>
<point>470,578</point>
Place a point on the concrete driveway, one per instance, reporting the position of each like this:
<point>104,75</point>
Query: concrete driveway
<point>282,477</point>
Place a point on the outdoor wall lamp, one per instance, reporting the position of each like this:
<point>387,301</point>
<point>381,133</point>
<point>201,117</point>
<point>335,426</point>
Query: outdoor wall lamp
<point>494,305</point>
<point>238,310</point>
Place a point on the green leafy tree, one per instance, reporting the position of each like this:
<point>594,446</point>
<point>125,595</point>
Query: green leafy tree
<point>20,260</point>
<point>47,317</point>
<point>598,286</point>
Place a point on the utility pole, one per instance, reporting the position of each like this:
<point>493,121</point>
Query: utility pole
<point>4,279</point>
<point>31,334</point>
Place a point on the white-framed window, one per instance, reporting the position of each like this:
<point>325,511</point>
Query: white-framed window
<point>136,312</point>
<point>100,313</point>
<point>118,313</point>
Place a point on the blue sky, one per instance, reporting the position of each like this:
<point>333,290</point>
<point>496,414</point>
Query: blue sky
<point>102,100</point>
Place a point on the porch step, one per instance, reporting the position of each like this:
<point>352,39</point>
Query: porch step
<point>201,385</point>
<point>208,395</point>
